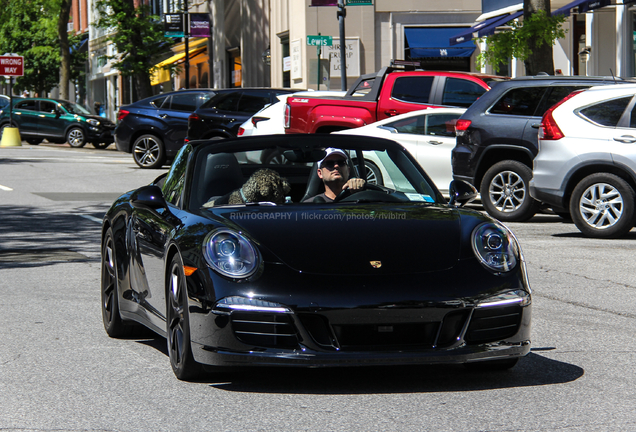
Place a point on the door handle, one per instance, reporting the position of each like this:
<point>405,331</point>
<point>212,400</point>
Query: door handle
<point>435,142</point>
<point>627,139</point>
<point>391,113</point>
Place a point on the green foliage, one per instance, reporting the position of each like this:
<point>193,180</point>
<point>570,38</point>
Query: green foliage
<point>29,29</point>
<point>502,46</point>
<point>137,35</point>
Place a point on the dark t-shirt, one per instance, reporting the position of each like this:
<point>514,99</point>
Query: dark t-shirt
<point>324,197</point>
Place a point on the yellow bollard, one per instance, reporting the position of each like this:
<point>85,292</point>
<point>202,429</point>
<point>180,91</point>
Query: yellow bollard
<point>11,137</point>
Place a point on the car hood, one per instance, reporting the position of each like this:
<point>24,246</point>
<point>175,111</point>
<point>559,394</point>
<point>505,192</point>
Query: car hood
<point>354,239</point>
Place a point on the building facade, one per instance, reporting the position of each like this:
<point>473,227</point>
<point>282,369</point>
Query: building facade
<point>263,43</point>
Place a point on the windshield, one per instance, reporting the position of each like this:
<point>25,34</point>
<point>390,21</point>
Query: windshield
<point>73,108</point>
<point>285,176</point>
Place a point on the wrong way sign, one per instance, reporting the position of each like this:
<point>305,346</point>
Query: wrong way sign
<point>12,65</point>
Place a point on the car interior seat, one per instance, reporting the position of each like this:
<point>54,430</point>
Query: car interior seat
<point>221,175</point>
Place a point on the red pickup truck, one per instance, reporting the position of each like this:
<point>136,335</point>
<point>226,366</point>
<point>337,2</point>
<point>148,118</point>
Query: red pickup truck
<point>389,92</point>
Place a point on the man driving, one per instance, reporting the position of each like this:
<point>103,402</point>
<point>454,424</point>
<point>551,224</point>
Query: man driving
<point>334,172</point>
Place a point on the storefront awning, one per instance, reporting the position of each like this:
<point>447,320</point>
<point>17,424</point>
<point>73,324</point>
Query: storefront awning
<point>583,5</point>
<point>423,42</point>
<point>484,28</point>
<point>162,75</point>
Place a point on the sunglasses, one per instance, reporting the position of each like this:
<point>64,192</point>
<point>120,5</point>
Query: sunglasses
<point>331,164</point>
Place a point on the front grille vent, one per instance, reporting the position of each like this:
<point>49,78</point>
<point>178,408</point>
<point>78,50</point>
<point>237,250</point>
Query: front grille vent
<point>490,324</point>
<point>268,330</point>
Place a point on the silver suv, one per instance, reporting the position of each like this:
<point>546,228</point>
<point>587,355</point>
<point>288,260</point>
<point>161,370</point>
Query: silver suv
<point>586,164</point>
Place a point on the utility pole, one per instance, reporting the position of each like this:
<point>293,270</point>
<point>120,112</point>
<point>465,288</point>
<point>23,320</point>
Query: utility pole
<point>342,13</point>
<point>186,36</point>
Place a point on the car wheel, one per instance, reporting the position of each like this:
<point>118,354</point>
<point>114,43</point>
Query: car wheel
<point>148,152</point>
<point>505,193</point>
<point>100,145</point>
<point>76,137</point>
<point>113,324</point>
<point>33,141</point>
<point>493,365</point>
<point>602,206</point>
<point>276,158</point>
<point>374,175</point>
<point>178,324</point>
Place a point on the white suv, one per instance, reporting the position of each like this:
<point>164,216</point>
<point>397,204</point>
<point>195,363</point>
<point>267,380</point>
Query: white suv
<point>586,163</point>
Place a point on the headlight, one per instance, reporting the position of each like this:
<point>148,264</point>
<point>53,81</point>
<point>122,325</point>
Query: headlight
<point>495,247</point>
<point>92,122</point>
<point>231,254</point>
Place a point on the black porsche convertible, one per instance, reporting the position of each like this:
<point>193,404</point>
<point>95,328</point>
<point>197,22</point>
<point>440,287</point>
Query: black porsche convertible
<point>226,258</point>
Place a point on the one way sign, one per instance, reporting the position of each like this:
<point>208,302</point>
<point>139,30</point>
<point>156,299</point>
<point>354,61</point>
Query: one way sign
<point>12,65</point>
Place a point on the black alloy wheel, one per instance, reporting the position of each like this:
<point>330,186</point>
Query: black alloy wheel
<point>505,192</point>
<point>113,324</point>
<point>602,206</point>
<point>76,137</point>
<point>178,324</point>
<point>148,152</point>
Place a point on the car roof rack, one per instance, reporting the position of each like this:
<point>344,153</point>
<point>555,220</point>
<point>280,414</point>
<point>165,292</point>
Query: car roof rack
<point>408,64</point>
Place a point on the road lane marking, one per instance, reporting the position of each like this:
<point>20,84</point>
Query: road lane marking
<point>91,218</point>
<point>5,188</point>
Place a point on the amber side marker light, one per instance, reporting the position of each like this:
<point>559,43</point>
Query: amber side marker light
<point>189,270</point>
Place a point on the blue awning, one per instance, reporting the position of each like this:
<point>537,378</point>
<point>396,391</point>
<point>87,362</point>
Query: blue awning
<point>583,5</point>
<point>467,34</point>
<point>424,42</point>
<point>484,28</point>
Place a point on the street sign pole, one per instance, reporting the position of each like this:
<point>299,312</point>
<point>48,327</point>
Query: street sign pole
<point>186,34</point>
<point>342,13</point>
<point>319,52</point>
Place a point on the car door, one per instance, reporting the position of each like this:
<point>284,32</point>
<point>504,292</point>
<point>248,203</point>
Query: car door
<point>49,123</point>
<point>434,147</point>
<point>174,112</point>
<point>25,116</point>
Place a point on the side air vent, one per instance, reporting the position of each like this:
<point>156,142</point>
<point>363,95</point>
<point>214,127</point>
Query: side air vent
<point>490,324</point>
<point>269,330</point>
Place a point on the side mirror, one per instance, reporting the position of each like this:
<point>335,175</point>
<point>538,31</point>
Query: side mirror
<point>148,197</point>
<point>461,193</point>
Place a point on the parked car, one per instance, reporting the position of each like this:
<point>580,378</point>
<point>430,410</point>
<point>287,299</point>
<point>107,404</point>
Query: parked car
<point>58,121</point>
<point>392,91</point>
<point>271,118</point>
<point>222,115</point>
<point>153,129</point>
<point>429,135</point>
<point>4,101</point>
<point>497,140</point>
<point>586,164</point>
<point>384,276</point>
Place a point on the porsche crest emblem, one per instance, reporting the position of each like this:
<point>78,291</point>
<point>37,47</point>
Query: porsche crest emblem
<point>376,264</point>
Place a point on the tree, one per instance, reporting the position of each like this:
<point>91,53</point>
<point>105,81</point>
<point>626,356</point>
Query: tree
<point>530,41</point>
<point>65,49</point>
<point>27,31</point>
<point>138,38</point>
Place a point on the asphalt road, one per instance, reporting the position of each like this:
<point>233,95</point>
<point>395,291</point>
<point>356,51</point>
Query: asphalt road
<point>59,371</point>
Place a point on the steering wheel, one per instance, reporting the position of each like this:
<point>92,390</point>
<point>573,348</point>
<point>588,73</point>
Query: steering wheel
<point>346,192</point>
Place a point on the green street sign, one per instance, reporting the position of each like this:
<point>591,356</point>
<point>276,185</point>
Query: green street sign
<point>320,40</point>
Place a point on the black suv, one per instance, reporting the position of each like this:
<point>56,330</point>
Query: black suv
<point>222,115</point>
<point>153,129</point>
<point>497,139</point>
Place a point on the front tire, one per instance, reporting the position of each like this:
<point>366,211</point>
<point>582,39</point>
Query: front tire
<point>505,193</point>
<point>178,324</point>
<point>148,152</point>
<point>76,137</point>
<point>602,206</point>
<point>113,324</point>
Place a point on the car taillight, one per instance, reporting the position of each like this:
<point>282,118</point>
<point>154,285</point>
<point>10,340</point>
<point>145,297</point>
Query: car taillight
<point>549,128</point>
<point>194,117</point>
<point>287,116</point>
<point>121,114</point>
<point>256,120</point>
<point>240,132</point>
<point>461,126</point>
